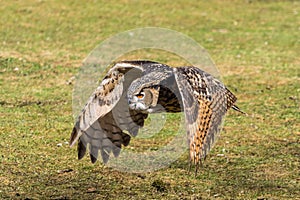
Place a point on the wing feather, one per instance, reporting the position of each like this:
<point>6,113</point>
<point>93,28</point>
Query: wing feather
<point>106,114</point>
<point>205,102</point>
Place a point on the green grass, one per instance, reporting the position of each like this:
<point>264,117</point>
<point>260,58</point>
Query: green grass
<point>255,46</point>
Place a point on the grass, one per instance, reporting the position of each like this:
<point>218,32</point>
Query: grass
<point>255,45</point>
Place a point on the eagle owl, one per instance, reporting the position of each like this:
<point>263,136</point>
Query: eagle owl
<point>133,89</point>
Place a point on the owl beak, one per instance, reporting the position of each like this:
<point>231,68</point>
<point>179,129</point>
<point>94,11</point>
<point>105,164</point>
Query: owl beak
<point>132,100</point>
<point>133,103</point>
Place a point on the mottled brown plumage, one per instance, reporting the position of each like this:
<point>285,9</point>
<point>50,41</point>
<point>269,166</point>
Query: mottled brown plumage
<point>133,89</point>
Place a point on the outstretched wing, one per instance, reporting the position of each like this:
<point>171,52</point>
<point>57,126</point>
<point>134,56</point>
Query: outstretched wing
<point>106,115</point>
<point>205,102</point>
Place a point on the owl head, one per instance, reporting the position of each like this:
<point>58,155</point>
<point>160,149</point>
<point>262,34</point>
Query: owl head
<point>144,99</point>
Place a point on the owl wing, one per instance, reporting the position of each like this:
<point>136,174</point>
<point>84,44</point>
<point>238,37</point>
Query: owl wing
<point>106,114</point>
<point>205,101</point>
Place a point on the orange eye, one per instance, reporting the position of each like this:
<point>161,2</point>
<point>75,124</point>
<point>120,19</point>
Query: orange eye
<point>140,96</point>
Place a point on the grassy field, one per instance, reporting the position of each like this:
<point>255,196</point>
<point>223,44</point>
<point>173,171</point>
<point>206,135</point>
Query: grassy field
<point>255,45</point>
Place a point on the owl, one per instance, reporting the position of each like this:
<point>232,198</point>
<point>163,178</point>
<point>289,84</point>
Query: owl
<point>131,90</point>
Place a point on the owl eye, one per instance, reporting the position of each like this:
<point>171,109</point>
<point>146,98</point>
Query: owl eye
<point>140,95</point>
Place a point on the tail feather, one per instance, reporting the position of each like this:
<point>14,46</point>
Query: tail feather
<point>234,107</point>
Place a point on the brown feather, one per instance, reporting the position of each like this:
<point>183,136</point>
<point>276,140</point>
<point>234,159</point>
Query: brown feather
<point>205,102</point>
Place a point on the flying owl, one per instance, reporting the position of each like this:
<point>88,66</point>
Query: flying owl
<point>133,89</point>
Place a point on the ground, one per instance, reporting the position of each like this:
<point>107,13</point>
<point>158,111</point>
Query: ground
<point>255,45</point>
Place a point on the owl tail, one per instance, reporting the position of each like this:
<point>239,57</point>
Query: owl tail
<point>234,107</point>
